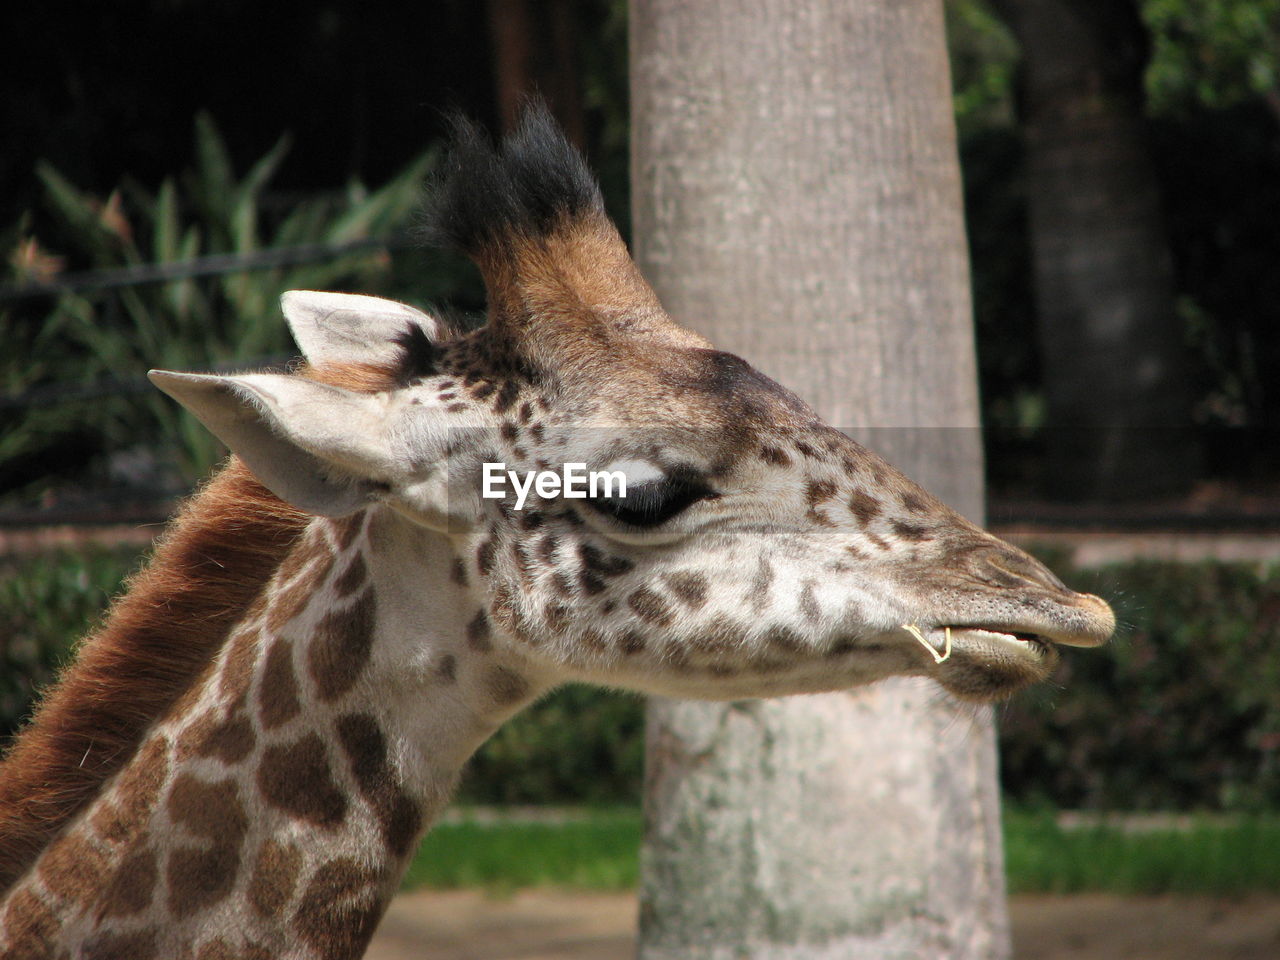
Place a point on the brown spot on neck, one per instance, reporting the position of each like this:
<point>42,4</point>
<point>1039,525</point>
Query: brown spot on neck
<point>340,649</point>
<point>595,560</point>
<point>131,887</point>
<point>913,532</point>
<point>348,529</point>
<point>295,596</point>
<point>208,810</point>
<point>817,491</point>
<point>295,777</point>
<point>122,945</point>
<point>478,633</point>
<point>136,791</point>
<point>340,908</point>
<point>199,876</point>
<point>458,572</point>
<point>275,874</point>
<point>228,738</point>
<point>73,868</point>
<point>864,507</point>
<point>398,815</point>
<point>506,687</point>
<point>650,607</point>
<point>352,578</point>
<point>774,456</point>
<point>689,588</point>
<point>278,688</point>
<point>31,926</point>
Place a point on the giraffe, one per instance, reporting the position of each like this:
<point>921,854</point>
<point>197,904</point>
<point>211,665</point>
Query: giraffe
<point>243,757</point>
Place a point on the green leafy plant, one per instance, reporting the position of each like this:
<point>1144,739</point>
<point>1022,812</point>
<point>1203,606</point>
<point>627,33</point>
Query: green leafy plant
<point>191,322</point>
<point>1212,53</point>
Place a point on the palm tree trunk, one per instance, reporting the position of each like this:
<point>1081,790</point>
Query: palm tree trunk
<point>797,199</point>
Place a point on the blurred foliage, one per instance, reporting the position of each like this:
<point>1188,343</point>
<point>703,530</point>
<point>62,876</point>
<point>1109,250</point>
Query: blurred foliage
<point>1220,174</point>
<point>93,337</point>
<point>1207,856</point>
<point>1205,54</point>
<point>984,58</point>
<point>48,601</point>
<point>1179,713</point>
<point>579,744</point>
<point>593,850</point>
<point>1212,53</point>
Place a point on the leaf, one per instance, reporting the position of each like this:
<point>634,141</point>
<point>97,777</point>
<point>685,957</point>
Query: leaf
<point>214,177</point>
<point>262,171</point>
<point>80,213</point>
<point>385,206</point>
<point>165,224</point>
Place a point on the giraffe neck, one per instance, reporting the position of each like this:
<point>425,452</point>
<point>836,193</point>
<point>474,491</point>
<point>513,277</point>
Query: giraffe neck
<point>274,809</point>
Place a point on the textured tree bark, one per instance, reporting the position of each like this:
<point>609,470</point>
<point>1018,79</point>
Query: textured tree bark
<point>797,199</point>
<point>1116,372</point>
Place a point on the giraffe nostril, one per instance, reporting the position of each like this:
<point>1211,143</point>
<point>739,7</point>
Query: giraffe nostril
<point>1010,567</point>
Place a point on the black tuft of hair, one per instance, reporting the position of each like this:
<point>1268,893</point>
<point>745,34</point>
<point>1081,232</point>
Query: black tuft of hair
<point>419,357</point>
<point>525,186</point>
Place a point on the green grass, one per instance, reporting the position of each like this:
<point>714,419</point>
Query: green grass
<point>597,852</point>
<point>1218,857</point>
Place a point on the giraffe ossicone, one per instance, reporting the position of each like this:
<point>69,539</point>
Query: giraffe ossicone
<point>269,720</point>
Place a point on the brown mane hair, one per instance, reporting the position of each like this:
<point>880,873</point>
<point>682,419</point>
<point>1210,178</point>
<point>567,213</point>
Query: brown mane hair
<point>213,561</point>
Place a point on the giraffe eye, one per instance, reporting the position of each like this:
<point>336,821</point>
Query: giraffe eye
<point>653,501</point>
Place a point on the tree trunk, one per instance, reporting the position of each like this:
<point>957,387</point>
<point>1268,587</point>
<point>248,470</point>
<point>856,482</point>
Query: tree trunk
<point>511,29</point>
<point>535,53</point>
<point>797,199</point>
<point>1116,372</point>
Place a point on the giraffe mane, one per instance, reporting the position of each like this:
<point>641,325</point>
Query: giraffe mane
<point>159,636</point>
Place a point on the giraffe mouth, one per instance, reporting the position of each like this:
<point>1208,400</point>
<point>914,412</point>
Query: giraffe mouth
<point>1087,621</point>
<point>988,662</point>
<point>987,659</point>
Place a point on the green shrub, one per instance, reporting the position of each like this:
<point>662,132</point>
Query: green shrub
<point>578,745</point>
<point>1180,712</point>
<point>47,602</point>
<point>597,851</point>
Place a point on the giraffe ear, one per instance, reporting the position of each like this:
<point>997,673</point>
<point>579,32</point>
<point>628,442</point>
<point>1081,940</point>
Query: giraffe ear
<point>311,444</point>
<point>349,328</point>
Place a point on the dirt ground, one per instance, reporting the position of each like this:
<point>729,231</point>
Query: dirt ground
<point>556,925</point>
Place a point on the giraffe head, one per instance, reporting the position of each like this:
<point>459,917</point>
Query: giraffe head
<point>756,550</point>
